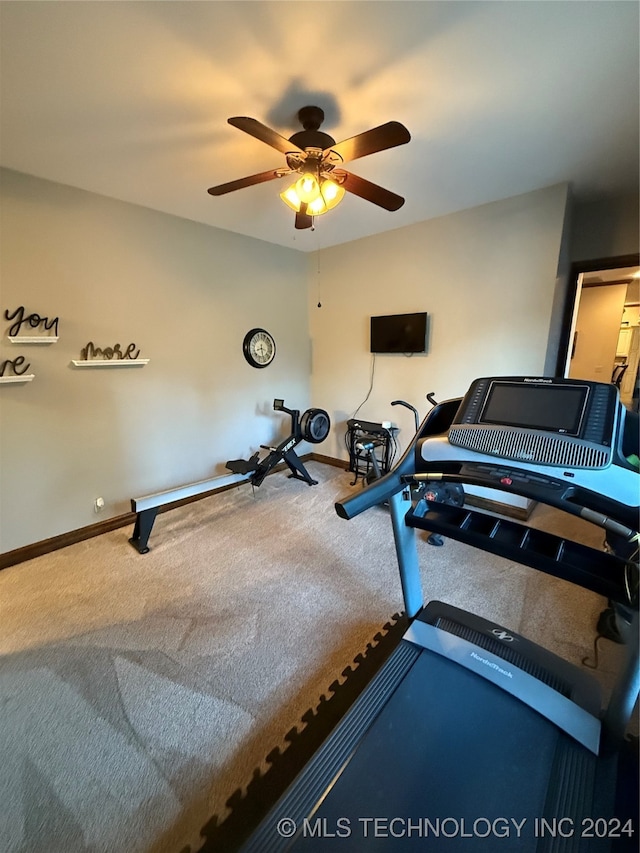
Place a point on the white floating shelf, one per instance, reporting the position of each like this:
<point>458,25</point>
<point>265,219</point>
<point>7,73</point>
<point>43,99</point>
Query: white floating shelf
<point>25,339</point>
<point>115,362</point>
<point>26,378</point>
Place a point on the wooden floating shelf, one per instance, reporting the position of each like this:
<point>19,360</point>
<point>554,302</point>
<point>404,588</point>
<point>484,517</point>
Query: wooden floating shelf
<point>116,362</point>
<point>25,339</point>
<point>14,379</point>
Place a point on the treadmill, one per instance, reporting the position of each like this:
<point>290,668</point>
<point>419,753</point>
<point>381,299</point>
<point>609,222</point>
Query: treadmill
<point>471,737</point>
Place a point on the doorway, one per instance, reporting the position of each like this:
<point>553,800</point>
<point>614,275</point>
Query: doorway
<point>600,337</point>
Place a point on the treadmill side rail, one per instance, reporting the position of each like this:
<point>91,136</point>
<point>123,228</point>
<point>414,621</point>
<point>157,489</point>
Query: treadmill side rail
<point>318,777</point>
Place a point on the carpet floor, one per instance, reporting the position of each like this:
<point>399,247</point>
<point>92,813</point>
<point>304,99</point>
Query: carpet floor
<point>139,692</point>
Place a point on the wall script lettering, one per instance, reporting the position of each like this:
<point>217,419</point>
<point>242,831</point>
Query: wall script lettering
<point>92,352</point>
<point>34,320</point>
<point>16,364</point>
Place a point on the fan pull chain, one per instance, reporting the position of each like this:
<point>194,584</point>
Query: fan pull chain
<point>318,275</point>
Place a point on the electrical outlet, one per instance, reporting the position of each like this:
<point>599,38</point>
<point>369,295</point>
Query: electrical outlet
<point>98,504</point>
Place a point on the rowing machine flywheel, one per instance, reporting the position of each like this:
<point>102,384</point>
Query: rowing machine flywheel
<point>315,425</point>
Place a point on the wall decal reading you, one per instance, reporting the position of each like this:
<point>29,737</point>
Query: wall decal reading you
<point>33,320</point>
<point>91,352</point>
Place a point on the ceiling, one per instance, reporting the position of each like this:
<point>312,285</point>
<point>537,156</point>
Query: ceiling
<point>621,275</point>
<point>612,276</point>
<point>131,100</point>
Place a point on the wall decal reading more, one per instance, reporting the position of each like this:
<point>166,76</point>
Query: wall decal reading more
<point>91,351</point>
<point>18,368</point>
<point>33,321</point>
<point>16,364</point>
<point>93,356</point>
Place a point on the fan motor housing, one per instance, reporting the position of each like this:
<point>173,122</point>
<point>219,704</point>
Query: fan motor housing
<point>312,139</point>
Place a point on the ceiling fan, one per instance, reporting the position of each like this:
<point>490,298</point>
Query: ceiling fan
<point>318,159</point>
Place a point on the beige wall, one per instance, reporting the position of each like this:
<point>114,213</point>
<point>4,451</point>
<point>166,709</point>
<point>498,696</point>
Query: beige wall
<point>486,277</point>
<point>186,294</point>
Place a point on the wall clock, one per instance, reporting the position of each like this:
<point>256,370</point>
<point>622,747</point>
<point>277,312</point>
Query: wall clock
<point>259,348</point>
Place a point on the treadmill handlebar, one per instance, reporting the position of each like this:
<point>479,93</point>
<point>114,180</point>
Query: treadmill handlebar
<point>605,513</point>
<point>378,492</point>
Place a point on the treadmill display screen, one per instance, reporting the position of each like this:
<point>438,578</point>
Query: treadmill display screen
<point>555,408</point>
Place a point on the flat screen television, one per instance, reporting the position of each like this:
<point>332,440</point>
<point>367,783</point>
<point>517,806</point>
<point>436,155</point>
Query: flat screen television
<point>402,333</point>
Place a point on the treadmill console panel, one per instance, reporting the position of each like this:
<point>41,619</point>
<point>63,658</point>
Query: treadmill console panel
<point>548,421</point>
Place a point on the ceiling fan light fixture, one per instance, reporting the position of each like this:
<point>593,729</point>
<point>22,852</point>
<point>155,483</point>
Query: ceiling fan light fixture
<point>308,188</point>
<point>317,207</point>
<point>291,199</point>
<point>332,193</point>
<point>329,195</point>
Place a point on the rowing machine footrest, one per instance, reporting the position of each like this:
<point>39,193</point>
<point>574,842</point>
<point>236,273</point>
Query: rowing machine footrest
<point>243,466</point>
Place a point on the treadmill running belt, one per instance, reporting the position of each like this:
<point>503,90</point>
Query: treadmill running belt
<point>467,769</point>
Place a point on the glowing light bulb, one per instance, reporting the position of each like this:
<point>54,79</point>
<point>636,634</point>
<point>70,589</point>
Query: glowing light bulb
<point>317,207</point>
<point>319,197</point>
<point>290,198</point>
<point>332,193</point>
<point>308,188</point>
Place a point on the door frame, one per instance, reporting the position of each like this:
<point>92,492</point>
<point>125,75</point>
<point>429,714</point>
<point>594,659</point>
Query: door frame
<point>572,298</point>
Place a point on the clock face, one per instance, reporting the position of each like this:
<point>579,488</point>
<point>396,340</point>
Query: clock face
<point>259,348</point>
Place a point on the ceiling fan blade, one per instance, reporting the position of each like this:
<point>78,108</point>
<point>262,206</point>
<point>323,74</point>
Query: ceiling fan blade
<point>250,181</point>
<point>380,138</point>
<point>303,220</point>
<point>371,192</point>
<point>263,133</point>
